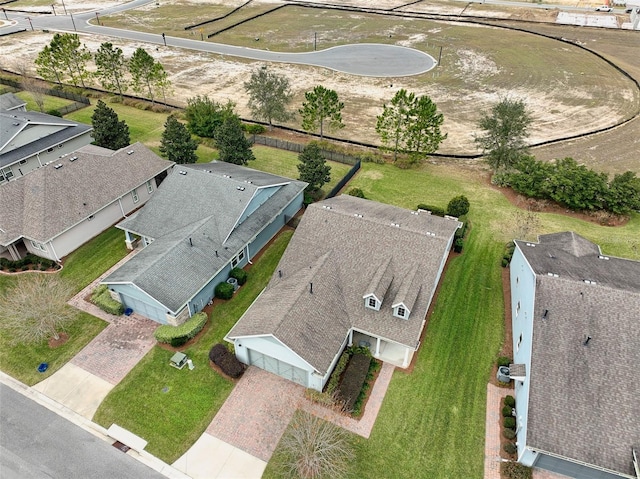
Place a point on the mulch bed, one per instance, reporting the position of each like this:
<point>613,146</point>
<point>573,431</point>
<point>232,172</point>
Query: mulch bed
<point>56,343</point>
<point>217,369</point>
<point>372,383</point>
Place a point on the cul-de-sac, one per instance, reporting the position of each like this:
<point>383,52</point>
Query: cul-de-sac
<point>246,239</point>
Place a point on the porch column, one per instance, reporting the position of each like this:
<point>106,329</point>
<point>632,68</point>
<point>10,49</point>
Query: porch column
<point>350,338</point>
<point>377,347</point>
<point>128,240</point>
<point>405,361</point>
<point>13,251</point>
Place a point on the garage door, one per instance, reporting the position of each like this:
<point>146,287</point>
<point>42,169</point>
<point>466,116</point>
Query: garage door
<point>571,469</point>
<point>144,309</point>
<point>275,366</point>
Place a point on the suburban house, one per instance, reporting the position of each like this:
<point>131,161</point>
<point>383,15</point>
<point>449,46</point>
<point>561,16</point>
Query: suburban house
<point>11,102</point>
<point>56,208</point>
<point>576,343</point>
<point>205,220</point>
<point>355,272</point>
<point>30,140</point>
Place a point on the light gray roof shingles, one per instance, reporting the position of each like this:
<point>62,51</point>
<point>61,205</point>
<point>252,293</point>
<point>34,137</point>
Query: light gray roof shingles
<point>350,250</point>
<point>189,218</point>
<point>583,401</point>
<point>48,201</point>
<point>9,101</point>
<point>381,281</point>
<point>41,131</point>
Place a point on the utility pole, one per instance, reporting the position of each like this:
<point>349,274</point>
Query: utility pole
<point>65,8</point>
<point>54,10</point>
<point>74,23</point>
<point>315,40</point>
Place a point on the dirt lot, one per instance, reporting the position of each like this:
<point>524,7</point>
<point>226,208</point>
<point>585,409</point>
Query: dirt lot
<point>568,90</point>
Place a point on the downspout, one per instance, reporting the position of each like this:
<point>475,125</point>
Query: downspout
<point>121,208</point>
<point>54,251</point>
<point>38,157</point>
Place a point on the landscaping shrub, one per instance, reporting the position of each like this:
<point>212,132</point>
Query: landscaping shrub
<point>323,398</point>
<point>515,470</point>
<point>506,411</point>
<point>188,330</point>
<point>334,379</point>
<point>179,341</point>
<point>54,113</point>
<point>504,361</point>
<point>509,248</point>
<point>253,129</point>
<point>374,366</point>
<point>239,274</point>
<point>510,401</point>
<point>103,300</point>
<point>509,433</point>
<point>357,192</point>
<point>353,380</point>
<point>435,210</point>
<point>510,448</point>
<point>509,422</point>
<point>226,361</point>
<point>458,206</point>
<point>462,231</point>
<point>224,290</point>
<point>458,245</point>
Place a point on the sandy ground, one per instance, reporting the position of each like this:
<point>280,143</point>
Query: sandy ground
<point>194,73</point>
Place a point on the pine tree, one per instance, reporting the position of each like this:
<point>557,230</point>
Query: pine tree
<point>313,168</point>
<point>108,130</point>
<point>176,143</point>
<point>233,145</point>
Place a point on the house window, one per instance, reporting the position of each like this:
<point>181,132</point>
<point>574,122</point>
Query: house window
<point>236,259</point>
<point>38,245</point>
<point>6,174</point>
<point>402,312</point>
<point>22,162</point>
<point>519,342</point>
<point>149,187</point>
<point>49,150</point>
<point>372,302</point>
<point>241,256</point>
<point>134,195</point>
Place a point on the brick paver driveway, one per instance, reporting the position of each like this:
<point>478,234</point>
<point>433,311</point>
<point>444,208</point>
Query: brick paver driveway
<point>257,412</point>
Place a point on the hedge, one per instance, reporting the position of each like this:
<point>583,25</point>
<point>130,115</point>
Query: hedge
<point>435,210</point>
<point>515,470</point>
<point>28,259</point>
<point>224,290</point>
<point>354,377</point>
<point>334,380</point>
<point>239,274</point>
<point>226,361</point>
<point>103,300</point>
<point>510,401</point>
<point>169,334</point>
<point>504,361</point>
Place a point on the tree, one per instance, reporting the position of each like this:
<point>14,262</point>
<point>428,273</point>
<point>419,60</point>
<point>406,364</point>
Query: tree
<point>321,106</point>
<point>314,448</point>
<point>108,130</point>
<point>35,309</point>
<point>176,143</point>
<point>269,95</point>
<point>505,133</point>
<point>161,82</point>
<point>410,124</point>
<point>48,65</point>
<point>623,195</point>
<point>204,115</point>
<point>36,88</point>
<point>65,57</point>
<point>313,168</point>
<point>143,71</point>
<point>458,206</point>
<point>233,145</point>
<point>111,68</point>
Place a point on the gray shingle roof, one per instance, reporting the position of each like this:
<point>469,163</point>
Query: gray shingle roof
<point>48,201</point>
<point>583,401</point>
<point>202,206</point>
<point>25,133</point>
<point>381,280</point>
<point>340,253</point>
<point>9,101</point>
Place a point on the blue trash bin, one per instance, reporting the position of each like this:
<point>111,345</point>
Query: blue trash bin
<point>42,367</point>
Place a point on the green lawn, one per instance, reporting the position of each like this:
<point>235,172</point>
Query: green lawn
<point>432,421</point>
<point>172,421</point>
<point>80,268</point>
<point>50,102</point>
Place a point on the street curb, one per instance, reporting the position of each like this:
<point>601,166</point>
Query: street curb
<point>89,426</point>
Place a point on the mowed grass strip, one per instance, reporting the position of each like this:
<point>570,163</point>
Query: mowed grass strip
<point>171,408</point>
<point>50,102</point>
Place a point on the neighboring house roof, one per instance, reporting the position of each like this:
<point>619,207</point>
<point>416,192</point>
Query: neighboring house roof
<point>583,399</point>
<point>50,200</point>
<point>9,101</point>
<point>347,248</point>
<point>25,133</point>
<point>197,221</point>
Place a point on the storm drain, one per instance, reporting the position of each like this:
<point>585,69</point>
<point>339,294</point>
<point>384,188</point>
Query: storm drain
<point>120,446</point>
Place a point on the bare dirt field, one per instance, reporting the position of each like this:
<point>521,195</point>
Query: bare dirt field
<point>569,90</point>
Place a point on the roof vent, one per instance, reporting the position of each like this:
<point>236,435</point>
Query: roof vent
<point>429,233</point>
<point>240,188</point>
<point>248,181</point>
<point>357,215</point>
<point>589,281</point>
<point>130,152</point>
<point>326,207</point>
<point>397,225</point>
<point>553,275</point>
<point>226,176</point>
<point>58,166</point>
<point>546,314</point>
<point>531,244</point>
<point>182,172</point>
<point>73,158</point>
<point>603,257</point>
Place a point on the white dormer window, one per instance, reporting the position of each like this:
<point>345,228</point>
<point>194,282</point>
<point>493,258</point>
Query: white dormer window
<point>134,195</point>
<point>401,312</point>
<point>149,187</point>
<point>372,302</point>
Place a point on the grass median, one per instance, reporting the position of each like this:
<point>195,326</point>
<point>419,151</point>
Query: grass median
<point>171,408</point>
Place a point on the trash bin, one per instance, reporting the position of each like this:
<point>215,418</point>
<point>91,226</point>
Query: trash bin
<point>42,367</point>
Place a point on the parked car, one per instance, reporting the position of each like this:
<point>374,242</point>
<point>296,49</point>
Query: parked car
<point>604,8</point>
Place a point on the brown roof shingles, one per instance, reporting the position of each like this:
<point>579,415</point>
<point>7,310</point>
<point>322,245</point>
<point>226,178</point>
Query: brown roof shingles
<point>48,201</point>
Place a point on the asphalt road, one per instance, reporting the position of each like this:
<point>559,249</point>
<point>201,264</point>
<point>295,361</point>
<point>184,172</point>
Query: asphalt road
<point>367,59</point>
<point>37,443</point>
